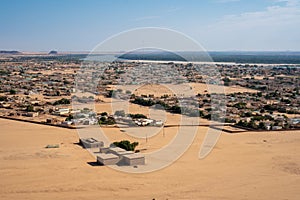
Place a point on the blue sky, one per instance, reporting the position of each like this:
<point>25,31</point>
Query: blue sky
<point>76,25</point>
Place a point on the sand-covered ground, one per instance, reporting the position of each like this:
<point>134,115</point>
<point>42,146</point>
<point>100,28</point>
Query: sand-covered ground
<point>241,166</point>
<point>181,89</point>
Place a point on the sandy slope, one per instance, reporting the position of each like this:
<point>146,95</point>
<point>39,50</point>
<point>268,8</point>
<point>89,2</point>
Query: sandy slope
<point>241,166</point>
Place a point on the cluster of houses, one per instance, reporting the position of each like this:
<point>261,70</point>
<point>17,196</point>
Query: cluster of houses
<point>127,120</point>
<point>33,89</point>
<point>49,78</point>
<point>148,122</point>
<point>246,107</point>
<point>113,155</point>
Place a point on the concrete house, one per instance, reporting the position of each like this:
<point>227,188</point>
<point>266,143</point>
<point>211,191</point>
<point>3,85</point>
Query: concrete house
<point>107,159</point>
<point>62,111</point>
<point>91,143</point>
<point>116,150</point>
<point>117,155</point>
<point>134,159</point>
<point>31,114</point>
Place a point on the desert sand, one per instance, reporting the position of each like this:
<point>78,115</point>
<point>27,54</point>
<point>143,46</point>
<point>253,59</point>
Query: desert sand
<point>181,89</point>
<point>241,166</point>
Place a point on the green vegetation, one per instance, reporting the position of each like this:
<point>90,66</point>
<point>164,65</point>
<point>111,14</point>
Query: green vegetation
<point>173,109</point>
<point>103,114</point>
<point>226,81</point>
<point>110,93</point>
<point>12,91</point>
<point>262,126</point>
<point>62,101</point>
<point>137,116</point>
<point>252,125</point>
<point>125,144</point>
<point>143,102</point>
<point>245,124</point>
<point>270,107</point>
<point>2,72</point>
<point>69,118</point>
<point>30,108</point>
<point>3,98</point>
<point>240,105</point>
<point>106,121</point>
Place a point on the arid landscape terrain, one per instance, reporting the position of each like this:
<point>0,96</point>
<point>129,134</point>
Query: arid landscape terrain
<point>149,100</point>
<point>241,166</point>
<point>256,156</point>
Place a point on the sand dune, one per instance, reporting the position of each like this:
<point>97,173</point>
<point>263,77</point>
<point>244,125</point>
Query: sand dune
<point>243,166</point>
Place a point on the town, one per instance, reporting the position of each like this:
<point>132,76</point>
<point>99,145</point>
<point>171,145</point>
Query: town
<point>257,97</point>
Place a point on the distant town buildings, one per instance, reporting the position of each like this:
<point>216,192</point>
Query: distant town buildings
<point>41,90</point>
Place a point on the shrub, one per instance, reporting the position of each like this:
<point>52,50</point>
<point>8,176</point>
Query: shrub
<point>125,144</point>
<point>110,93</point>
<point>137,116</point>
<point>3,98</point>
<point>240,105</point>
<point>103,114</point>
<point>69,118</point>
<point>12,91</point>
<point>106,121</point>
<point>62,101</point>
<point>30,108</point>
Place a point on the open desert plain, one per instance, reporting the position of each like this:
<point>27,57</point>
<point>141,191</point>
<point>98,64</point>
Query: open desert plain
<point>264,165</point>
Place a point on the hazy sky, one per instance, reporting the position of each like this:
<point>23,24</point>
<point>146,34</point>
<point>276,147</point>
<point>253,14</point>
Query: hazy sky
<point>75,25</point>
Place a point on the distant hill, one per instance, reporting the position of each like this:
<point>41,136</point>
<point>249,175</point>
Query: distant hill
<point>9,52</point>
<point>151,55</point>
<point>52,52</point>
<point>237,57</point>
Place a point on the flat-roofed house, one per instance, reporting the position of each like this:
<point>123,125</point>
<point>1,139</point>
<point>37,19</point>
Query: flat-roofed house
<point>104,149</point>
<point>107,158</point>
<point>91,143</point>
<point>62,111</point>
<point>134,159</point>
<point>121,156</point>
<point>31,114</point>
<point>116,150</point>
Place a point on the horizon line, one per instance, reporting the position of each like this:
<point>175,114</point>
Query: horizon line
<point>122,51</point>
